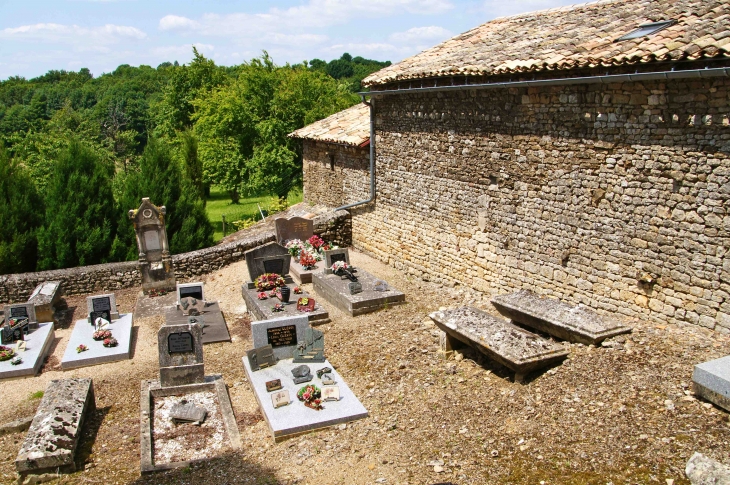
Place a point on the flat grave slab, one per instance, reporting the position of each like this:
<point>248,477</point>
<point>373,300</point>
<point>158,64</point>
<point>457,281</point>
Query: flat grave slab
<point>500,340</point>
<point>261,309</point>
<point>295,418</point>
<point>220,417</point>
<point>571,323</point>
<point>38,344</point>
<point>50,444</point>
<point>301,275</point>
<point>335,290</point>
<point>150,306</point>
<point>215,328</point>
<point>711,381</point>
<point>83,332</point>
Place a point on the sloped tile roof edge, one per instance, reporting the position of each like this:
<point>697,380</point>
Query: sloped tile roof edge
<point>348,127</point>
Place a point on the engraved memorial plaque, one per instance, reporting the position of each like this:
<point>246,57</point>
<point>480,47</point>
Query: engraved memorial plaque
<point>338,257</point>
<point>152,241</point>
<point>274,266</point>
<point>20,346</point>
<point>305,304</point>
<point>355,287</point>
<point>282,336</point>
<point>179,343</point>
<point>274,385</point>
<point>192,292</point>
<point>101,304</point>
<point>280,398</point>
<point>330,393</point>
<point>18,312</point>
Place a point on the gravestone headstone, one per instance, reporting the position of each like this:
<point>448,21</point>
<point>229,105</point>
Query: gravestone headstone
<point>282,334</point>
<point>155,262</point>
<point>272,256</point>
<point>293,228</point>
<point>44,298</point>
<point>311,347</point>
<point>333,255</point>
<point>104,306</point>
<point>180,354</point>
<point>192,290</point>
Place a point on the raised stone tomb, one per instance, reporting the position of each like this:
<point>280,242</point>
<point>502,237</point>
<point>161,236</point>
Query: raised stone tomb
<point>37,345</point>
<point>83,332</point>
<point>215,328</point>
<point>262,309</point>
<point>711,381</point>
<point>571,323</point>
<point>498,339</point>
<point>50,444</point>
<point>304,276</point>
<point>336,291</point>
<point>45,297</point>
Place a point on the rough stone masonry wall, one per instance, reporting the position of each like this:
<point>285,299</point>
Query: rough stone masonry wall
<point>615,196</point>
<point>348,182</point>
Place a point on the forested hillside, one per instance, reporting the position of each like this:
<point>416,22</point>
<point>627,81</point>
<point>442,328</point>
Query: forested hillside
<point>77,151</point>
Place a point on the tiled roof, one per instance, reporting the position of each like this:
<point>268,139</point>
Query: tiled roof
<point>580,36</point>
<point>348,127</point>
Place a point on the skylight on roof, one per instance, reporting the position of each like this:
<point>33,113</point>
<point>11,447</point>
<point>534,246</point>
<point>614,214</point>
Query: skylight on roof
<point>646,29</point>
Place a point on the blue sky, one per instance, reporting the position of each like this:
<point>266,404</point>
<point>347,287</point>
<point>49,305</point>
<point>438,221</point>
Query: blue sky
<point>36,36</point>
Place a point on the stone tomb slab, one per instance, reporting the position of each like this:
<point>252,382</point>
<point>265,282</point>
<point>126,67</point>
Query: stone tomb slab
<point>295,418</point>
<point>711,381</point>
<point>335,290</point>
<point>268,258</point>
<point>304,276</point>
<point>150,306</point>
<point>50,444</point>
<point>44,298</point>
<point>571,323</point>
<point>83,332</point>
<point>293,228</point>
<point>261,309</point>
<point>282,334</point>
<point>215,328</point>
<point>38,344</point>
<point>498,339</point>
<point>151,389</point>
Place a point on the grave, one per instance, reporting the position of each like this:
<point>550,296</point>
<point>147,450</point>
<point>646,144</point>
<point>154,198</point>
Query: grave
<point>183,396</point>
<point>498,339</point>
<point>21,310</point>
<point>193,303</point>
<point>263,309</point>
<point>97,353</point>
<point>44,298</point>
<point>155,262</point>
<point>268,258</point>
<point>281,333</point>
<point>711,381</point>
<point>293,228</point>
<point>356,299</point>
<point>37,345</point>
<point>285,415</point>
<point>50,445</point>
<point>571,323</point>
<point>104,306</point>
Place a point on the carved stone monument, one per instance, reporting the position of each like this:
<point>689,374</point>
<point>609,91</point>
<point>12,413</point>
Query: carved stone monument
<point>181,354</point>
<point>293,228</point>
<point>155,263</point>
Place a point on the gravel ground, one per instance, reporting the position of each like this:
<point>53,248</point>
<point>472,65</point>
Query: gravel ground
<point>621,413</point>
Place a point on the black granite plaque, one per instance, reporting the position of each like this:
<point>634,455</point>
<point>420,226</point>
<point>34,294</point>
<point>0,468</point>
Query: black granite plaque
<point>191,291</point>
<point>179,343</point>
<point>18,311</point>
<point>282,336</point>
<point>274,266</point>
<point>103,314</point>
<point>338,257</point>
<point>355,287</point>
<point>103,304</point>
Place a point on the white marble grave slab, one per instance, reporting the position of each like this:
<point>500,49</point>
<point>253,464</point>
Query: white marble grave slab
<point>38,343</point>
<point>98,354</point>
<point>296,418</point>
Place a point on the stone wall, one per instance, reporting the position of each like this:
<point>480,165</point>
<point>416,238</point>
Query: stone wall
<point>344,182</point>
<point>615,196</point>
<point>333,226</point>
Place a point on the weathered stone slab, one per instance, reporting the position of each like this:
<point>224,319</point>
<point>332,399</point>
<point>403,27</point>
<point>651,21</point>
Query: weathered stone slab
<point>304,276</point>
<point>296,418</point>
<point>261,309</point>
<point>281,333</point>
<point>50,444</point>
<point>498,339</point>
<point>711,381</point>
<point>38,344</point>
<point>44,299</point>
<point>152,389</point>
<point>335,290</point>
<point>188,413</point>
<point>181,354</point>
<point>215,328</point>
<point>149,306</point>
<point>293,228</point>
<point>702,470</point>
<point>571,323</point>
<point>83,332</point>
<point>268,258</point>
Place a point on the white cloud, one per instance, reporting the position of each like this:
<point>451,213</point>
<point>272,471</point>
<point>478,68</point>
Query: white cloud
<point>420,34</point>
<point>92,37</point>
<point>175,22</point>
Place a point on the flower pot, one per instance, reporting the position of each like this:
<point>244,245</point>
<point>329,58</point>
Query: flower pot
<point>285,294</point>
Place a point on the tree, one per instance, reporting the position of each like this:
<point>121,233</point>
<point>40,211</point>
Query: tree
<point>79,224</point>
<point>192,165</point>
<point>21,213</point>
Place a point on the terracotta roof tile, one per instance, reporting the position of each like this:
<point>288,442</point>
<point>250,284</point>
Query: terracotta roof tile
<point>574,37</point>
<point>348,127</point>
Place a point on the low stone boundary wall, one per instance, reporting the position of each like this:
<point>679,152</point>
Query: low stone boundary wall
<point>332,226</point>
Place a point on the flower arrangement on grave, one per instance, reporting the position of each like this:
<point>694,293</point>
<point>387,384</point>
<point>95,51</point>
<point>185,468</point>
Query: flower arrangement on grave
<point>278,307</point>
<point>273,294</point>
<point>269,281</point>
<point>110,342</point>
<point>81,348</point>
<point>101,335</point>
<point>297,290</point>
<point>295,246</point>
<point>310,395</point>
<point>316,242</point>
<point>261,295</point>
<point>157,292</point>
<point>17,360</point>
<point>307,260</point>
<point>6,353</point>
<point>339,266</point>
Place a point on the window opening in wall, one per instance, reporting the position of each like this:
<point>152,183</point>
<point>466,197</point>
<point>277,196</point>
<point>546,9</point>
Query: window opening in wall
<point>332,160</point>
<point>646,29</point>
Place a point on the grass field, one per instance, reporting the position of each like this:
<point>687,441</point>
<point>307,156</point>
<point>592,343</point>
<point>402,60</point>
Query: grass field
<point>220,204</point>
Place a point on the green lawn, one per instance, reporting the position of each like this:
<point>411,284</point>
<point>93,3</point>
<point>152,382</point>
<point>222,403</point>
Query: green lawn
<point>220,204</point>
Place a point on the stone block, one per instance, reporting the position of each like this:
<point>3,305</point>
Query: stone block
<point>711,381</point>
<point>335,291</point>
<point>180,351</point>
<point>44,298</point>
<point>215,328</point>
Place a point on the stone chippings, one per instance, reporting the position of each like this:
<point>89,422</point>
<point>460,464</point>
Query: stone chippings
<point>54,433</point>
<point>576,192</point>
